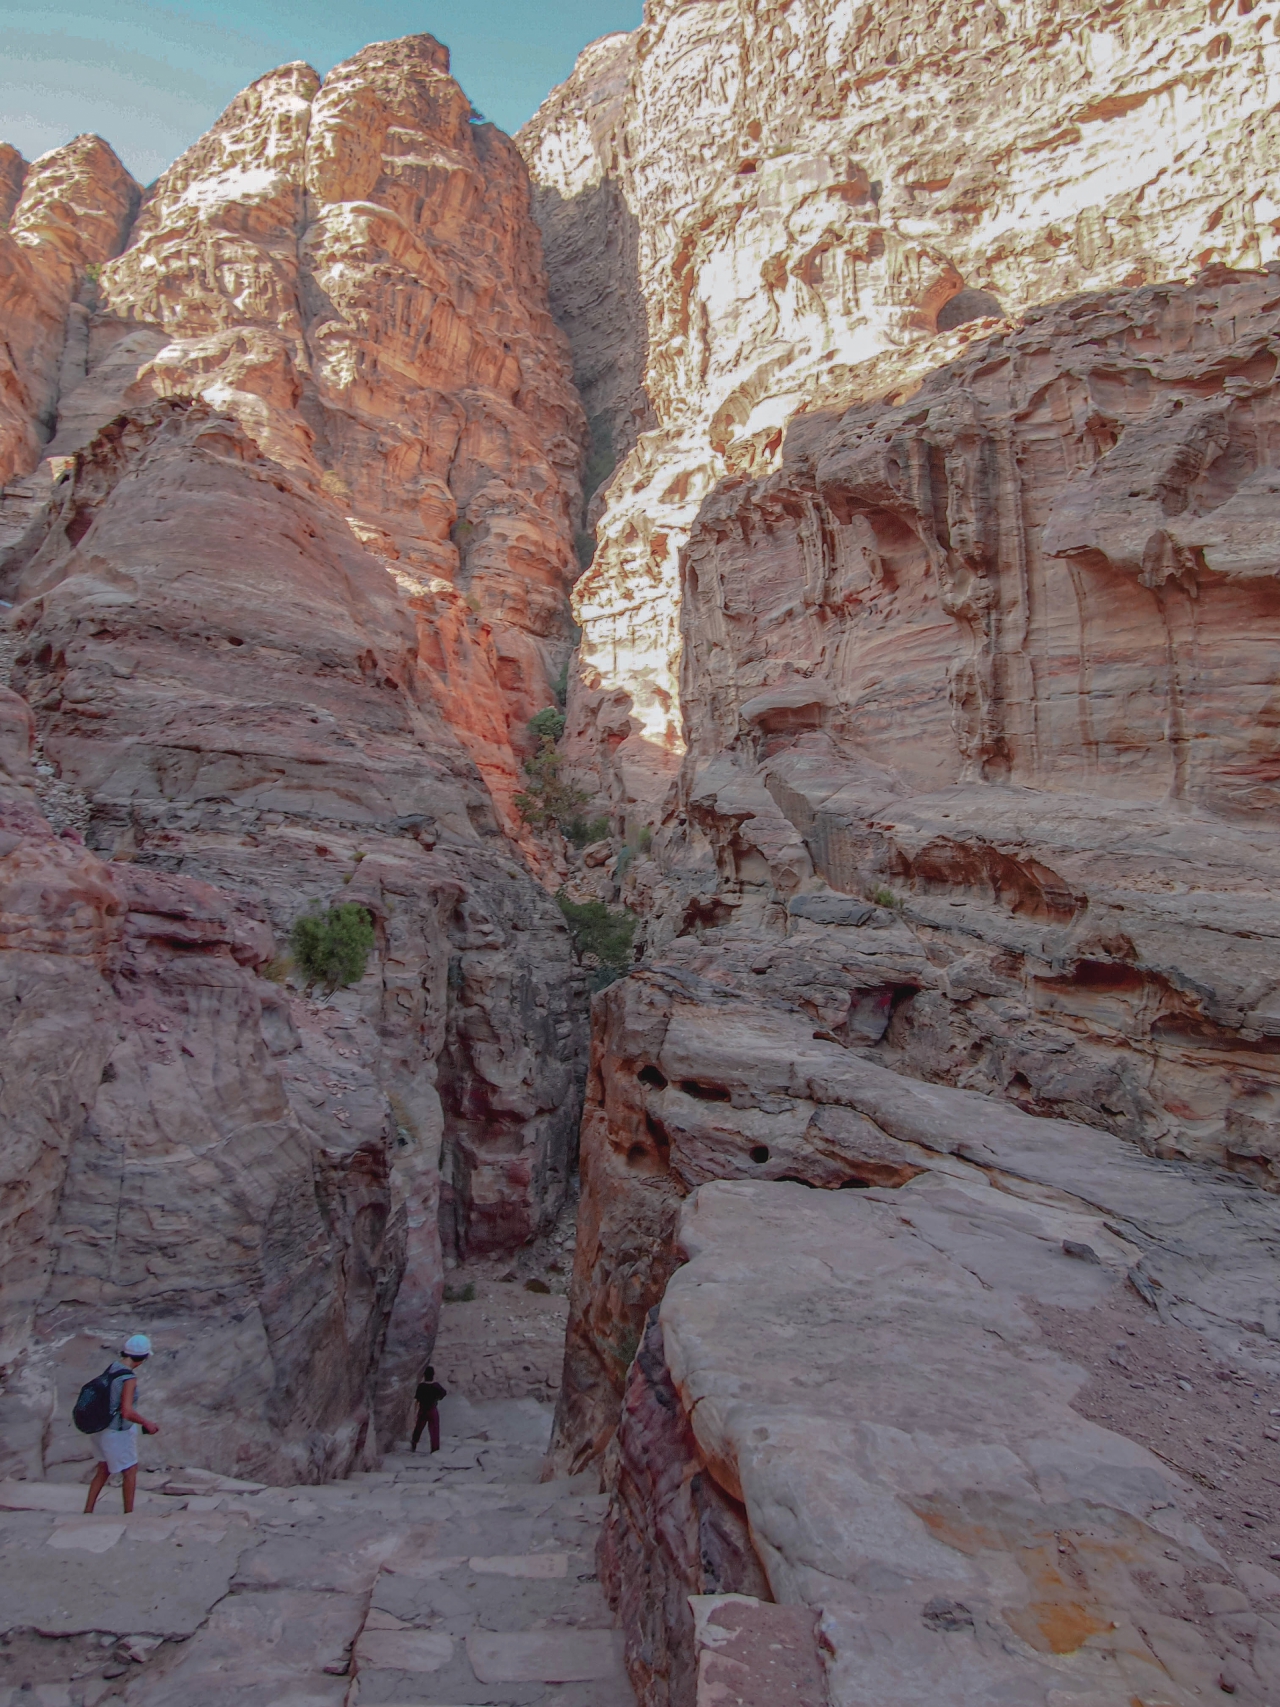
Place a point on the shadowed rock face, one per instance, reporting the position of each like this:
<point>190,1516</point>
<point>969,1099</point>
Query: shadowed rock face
<point>234,685</point>
<point>167,1161</point>
<point>810,192</point>
<point>999,659</point>
<point>288,585</point>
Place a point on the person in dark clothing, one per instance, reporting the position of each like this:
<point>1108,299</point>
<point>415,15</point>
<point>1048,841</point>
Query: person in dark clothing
<point>427,1397</point>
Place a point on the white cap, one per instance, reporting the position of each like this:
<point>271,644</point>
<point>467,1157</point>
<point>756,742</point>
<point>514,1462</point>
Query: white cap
<point>137,1345</point>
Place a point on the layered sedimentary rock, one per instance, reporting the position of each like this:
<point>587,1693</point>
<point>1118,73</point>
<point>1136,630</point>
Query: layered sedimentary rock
<point>818,1417</point>
<point>288,584</point>
<point>233,684</point>
<point>165,1161</point>
<point>68,212</point>
<point>937,653</point>
<point>958,1528</point>
<point>811,194</point>
<point>999,659</point>
<point>350,270</point>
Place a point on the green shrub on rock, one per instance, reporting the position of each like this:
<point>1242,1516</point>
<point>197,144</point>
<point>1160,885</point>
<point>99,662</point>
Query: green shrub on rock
<point>332,948</point>
<point>605,932</point>
<point>547,800</point>
<point>548,723</point>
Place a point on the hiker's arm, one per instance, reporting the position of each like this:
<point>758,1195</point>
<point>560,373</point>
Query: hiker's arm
<point>129,1414</point>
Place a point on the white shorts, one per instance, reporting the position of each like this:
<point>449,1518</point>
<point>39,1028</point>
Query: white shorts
<point>117,1448</point>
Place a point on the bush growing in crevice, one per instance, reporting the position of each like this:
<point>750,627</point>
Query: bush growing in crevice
<point>583,831</point>
<point>605,932</point>
<point>332,948</point>
<point>887,898</point>
<point>548,801</point>
<point>548,723</point>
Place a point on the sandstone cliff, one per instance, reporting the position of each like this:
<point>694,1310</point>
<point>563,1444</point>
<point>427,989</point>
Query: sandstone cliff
<point>808,195</point>
<point>68,212</point>
<point>288,584</point>
<point>998,654</point>
<point>928,628</point>
<point>849,1328</point>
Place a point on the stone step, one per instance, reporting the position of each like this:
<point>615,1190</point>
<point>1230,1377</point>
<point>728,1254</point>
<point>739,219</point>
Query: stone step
<point>419,1585</point>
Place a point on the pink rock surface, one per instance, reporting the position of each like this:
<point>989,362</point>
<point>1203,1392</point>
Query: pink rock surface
<point>70,210</point>
<point>751,1652</point>
<point>290,583</point>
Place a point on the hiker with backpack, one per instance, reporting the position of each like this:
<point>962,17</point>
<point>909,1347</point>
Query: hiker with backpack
<point>105,1411</point>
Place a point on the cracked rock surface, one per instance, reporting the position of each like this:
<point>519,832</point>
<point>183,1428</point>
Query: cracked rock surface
<point>455,1576</point>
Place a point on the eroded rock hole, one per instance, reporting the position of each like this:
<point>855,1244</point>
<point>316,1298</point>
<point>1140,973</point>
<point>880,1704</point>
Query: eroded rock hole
<point>651,1076</point>
<point>968,305</point>
<point>657,1132</point>
<point>759,1153</point>
<point>704,1093</point>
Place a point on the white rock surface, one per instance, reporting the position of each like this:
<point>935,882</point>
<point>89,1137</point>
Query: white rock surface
<point>864,1374</point>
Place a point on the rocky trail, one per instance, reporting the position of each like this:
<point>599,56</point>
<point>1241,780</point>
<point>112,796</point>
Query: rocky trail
<point>452,1578</point>
<point>796,528</point>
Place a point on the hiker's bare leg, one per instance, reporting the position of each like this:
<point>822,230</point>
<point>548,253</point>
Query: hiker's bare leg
<point>100,1474</point>
<point>129,1483</point>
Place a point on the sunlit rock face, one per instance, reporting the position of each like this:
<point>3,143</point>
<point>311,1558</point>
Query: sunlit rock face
<point>349,269</point>
<point>995,665</point>
<point>289,547</point>
<point>821,201</point>
<point>67,212</point>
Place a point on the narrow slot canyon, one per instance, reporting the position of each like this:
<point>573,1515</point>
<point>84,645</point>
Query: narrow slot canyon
<point>639,765</point>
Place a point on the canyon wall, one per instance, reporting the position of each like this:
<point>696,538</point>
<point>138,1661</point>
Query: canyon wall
<point>985,1394</point>
<point>971,622</point>
<point>289,544</point>
<point>814,197</point>
<point>928,671</point>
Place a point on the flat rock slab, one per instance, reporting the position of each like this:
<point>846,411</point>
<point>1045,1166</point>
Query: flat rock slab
<point>547,1656</point>
<point>68,1497</point>
<point>274,1648</point>
<point>541,1567</point>
<point>755,1654</point>
<point>860,1370</point>
<point>403,1650</point>
<point>139,1575</point>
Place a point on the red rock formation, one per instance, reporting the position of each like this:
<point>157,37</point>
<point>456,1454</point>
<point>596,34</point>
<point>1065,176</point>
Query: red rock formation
<point>824,1341</point>
<point>165,1163</point>
<point>350,270</point>
<point>284,641</point>
<point>232,684</point>
<point>69,211</point>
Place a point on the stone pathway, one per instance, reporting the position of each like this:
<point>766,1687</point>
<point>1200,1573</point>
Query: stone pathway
<point>502,1326</point>
<point>453,1580</point>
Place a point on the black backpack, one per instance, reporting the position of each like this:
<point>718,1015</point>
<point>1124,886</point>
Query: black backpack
<point>91,1412</point>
